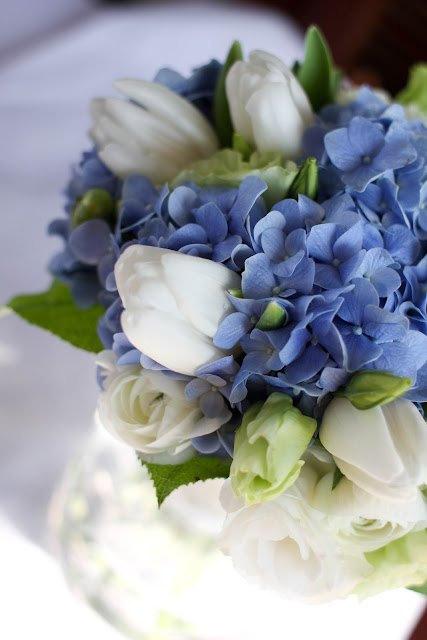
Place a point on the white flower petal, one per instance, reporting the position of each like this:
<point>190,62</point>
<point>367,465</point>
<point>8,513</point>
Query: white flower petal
<point>171,108</point>
<point>171,341</point>
<point>148,411</point>
<point>173,305</point>
<point>156,134</point>
<point>207,306</point>
<point>382,450</point>
<point>268,106</point>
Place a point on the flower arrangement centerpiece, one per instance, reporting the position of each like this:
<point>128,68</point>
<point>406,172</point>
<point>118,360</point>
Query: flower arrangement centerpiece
<point>246,251</point>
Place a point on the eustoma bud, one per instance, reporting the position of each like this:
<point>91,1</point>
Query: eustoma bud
<point>268,447</point>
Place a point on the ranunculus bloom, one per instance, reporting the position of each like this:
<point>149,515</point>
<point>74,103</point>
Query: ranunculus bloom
<point>174,304</point>
<point>156,133</point>
<point>268,447</point>
<point>268,105</point>
<point>287,545</point>
<point>382,450</point>
<point>402,563</point>
<point>148,410</point>
<point>363,521</point>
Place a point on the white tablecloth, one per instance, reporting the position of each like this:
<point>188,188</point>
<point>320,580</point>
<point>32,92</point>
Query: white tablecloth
<point>47,388</point>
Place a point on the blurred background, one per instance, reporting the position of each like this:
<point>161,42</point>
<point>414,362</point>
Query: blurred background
<point>55,55</point>
<point>371,39</point>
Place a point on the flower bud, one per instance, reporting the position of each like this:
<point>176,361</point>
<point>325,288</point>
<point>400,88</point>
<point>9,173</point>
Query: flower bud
<point>268,446</point>
<point>96,204</point>
<point>155,133</point>
<point>382,450</point>
<point>368,389</point>
<point>174,304</point>
<point>268,106</point>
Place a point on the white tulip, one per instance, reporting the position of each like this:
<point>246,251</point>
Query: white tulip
<point>382,450</point>
<point>174,304</point>
<point>289,546</point>
<point>150,412</point>
<point>268,106</point>
<point>156,133</point>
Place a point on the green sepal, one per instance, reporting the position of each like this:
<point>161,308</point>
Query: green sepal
<point>168,477</point>
<point>222,117</point>
<point>55,311</point>
<point>317,74</point>
<point>273,317</point>
<point>372,388</point>
<point>415,91</point>
<point>306,181</point>
<point>243,147</point>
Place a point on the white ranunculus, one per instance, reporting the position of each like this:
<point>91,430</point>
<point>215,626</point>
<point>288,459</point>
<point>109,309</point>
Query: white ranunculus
<point>174,304</point>
<point>149,411</point>
<point>382,450</point>
<point>289,546</point>
<point>363,521</point>
<point>268,106</point>
<point>156,133</point>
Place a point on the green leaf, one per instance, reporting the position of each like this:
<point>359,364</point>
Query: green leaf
<point>420,589</point>
<point>222,116</point>
<point>168,477</point>
<point>55,311</point>
<point>243,147</point>
<point>227,167</point>
<point>306,181</point>
<point>338,475</point>
<point>317,73</point>
<point>415,91</point>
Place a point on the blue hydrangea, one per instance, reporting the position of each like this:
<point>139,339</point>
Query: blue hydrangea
<point>347,272</point>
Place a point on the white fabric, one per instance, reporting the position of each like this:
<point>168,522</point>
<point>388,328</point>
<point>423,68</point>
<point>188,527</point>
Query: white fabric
<point>47,388</point>
<point>22,21</point>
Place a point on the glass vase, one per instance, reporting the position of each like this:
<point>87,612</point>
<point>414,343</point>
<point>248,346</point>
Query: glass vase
<point>155,574</point>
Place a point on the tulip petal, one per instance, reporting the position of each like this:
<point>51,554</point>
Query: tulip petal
<point>147,330</point>
<point>382,450</point>
<point>207,282</point>
<point>170,107</point>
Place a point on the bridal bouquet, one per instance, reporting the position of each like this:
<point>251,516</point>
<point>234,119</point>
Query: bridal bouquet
<point>246,251</point>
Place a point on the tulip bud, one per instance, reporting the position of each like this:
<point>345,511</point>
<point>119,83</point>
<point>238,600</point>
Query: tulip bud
<point>382,450</point>
<point>156,133</point>
<point>267,450</point>
<point>174,304</point>
<point>268,106</point>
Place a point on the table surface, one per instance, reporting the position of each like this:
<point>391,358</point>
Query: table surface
<point>47,388</point>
